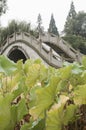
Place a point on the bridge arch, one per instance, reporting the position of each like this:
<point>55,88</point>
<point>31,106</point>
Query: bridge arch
<point>20,50</point>
<point>17,53</point>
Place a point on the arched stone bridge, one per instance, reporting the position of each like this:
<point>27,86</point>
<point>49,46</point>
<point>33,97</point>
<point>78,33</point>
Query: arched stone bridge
<point>51,49</point>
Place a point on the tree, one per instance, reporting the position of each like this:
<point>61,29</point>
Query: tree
<point>72,12</point>
<point>39,22</point>
<point>23,26</point>
<point>52,26</point>
<point>69,25</point>
<point>80,24</point>
<point>75,29</point>
<point>77,38</point>
<point>16,26</point>
<point>3,6</point>
<point>12,27</point>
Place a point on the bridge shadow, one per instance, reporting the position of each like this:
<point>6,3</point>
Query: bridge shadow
<point>16,55</point>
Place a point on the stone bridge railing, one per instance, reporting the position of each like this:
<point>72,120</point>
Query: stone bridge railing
<point>27,39</point>
<point>63,45</point>
<point>47,55</point>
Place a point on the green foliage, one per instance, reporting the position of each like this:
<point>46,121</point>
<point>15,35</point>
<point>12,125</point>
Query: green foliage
<point>6,66</point>
<point>77,42</point>
<point>5,111</point>
<point>16,26</point>
<point>44,98</point>
<point>80,24</point>
<point>84,61</point>
<point>36,97</point>
<point>80,95</point>
<point>75,23</point>
<point>75,29</point>
<point>58,117</point>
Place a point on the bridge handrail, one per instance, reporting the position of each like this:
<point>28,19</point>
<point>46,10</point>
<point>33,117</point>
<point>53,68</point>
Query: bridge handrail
<point>29,35</point>
<point>49,55</point>
<point>68,49</point>
<point>22,34</point>
<point>66,43</point>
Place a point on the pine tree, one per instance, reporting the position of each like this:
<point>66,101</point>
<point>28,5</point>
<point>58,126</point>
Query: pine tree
<point>52,26</point>
<point>69,25</point>
<point>39,22</point>
<point>72,12</point>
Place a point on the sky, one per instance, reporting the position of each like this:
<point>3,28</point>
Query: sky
<point>28,11</point>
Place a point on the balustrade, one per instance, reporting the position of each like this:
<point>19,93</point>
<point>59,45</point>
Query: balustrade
<point>37,45</point>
